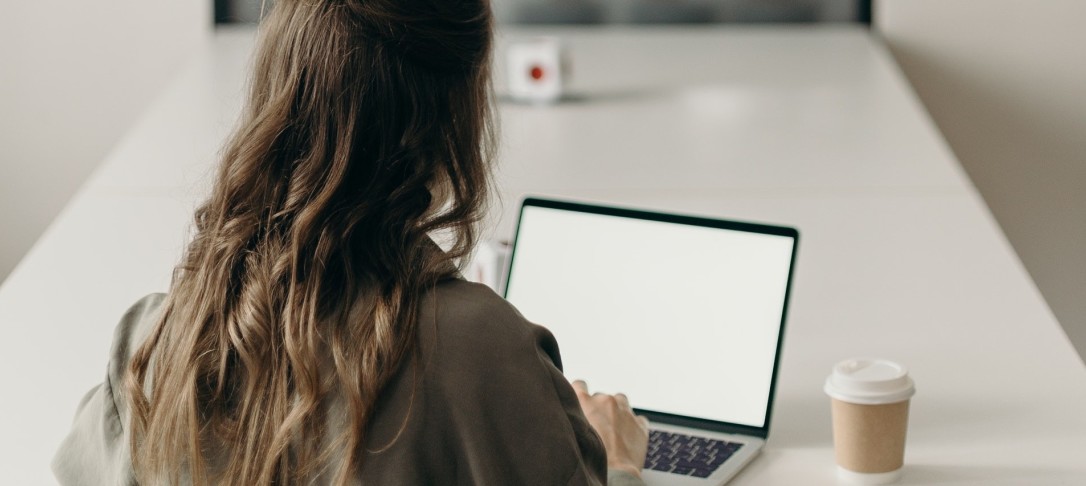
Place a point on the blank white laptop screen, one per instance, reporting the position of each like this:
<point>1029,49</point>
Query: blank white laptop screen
<point>683,319</point>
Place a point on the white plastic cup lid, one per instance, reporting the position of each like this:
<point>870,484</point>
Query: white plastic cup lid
<point>869,382</point>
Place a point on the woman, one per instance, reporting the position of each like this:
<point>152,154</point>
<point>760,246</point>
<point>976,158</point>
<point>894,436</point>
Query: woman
<point>314,333</point>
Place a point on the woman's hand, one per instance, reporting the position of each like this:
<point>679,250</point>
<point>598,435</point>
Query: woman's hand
<point>625,435</point>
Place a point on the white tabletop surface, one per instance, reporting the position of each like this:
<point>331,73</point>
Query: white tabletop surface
<point>810,127</point>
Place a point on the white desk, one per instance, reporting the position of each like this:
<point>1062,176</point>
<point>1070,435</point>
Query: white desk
<point>812,127</point>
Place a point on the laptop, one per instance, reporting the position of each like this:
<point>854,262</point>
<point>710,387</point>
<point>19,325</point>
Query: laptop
<point>683,314</point>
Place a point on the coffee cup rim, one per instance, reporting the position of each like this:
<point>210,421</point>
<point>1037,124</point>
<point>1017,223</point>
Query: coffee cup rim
<point>895,387</point>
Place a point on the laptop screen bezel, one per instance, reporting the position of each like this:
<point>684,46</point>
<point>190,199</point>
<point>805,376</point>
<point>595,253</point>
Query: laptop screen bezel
<point>669,418</point>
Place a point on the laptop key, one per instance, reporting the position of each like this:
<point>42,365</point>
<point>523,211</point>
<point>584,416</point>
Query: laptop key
<point>661,467</point>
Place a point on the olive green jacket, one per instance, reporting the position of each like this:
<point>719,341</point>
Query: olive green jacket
<point>490,406</point>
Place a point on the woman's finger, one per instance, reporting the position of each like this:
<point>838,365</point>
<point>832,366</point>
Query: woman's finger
<point>580,387</point>
<point>623,400</point>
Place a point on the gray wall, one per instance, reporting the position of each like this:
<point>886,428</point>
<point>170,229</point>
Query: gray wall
<point>74,75</point>
<point>1005,80</point>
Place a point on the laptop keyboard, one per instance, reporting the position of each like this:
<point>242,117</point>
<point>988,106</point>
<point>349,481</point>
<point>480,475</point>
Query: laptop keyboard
<point>687,455</point>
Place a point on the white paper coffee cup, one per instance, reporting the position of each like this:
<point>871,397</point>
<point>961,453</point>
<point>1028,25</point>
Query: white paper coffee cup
<point>870,418</point>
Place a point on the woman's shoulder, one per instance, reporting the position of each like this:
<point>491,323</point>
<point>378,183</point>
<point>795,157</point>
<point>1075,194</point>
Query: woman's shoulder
<point>96,449</point>
<point>132,329</point>
<point>472,316</point>
<point>471,324</point>
<point>460,303</point>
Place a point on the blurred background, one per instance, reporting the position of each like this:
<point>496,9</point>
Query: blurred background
<point>632,11</point>
<point>1004,81</point>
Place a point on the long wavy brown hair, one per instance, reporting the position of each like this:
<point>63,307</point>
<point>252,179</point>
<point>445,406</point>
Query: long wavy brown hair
<point>366,132</point>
